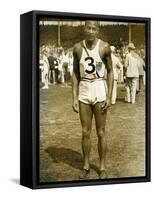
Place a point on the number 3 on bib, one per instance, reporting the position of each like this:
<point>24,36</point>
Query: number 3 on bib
<point>91,67</point>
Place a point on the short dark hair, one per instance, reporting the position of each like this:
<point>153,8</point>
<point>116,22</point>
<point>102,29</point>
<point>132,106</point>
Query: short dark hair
<point>92,21</point>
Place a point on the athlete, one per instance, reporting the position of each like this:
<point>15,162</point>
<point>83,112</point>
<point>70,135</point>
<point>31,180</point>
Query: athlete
<point>90,93</point>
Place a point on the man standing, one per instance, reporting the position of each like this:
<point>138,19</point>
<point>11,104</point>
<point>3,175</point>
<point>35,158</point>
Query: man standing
<point>141,68</point>
<point>132,74</point>
<point>117,65</point>
<point>89,91</point>
<point>45,69</point>
<point>53,63</point>
<point>65,67</point>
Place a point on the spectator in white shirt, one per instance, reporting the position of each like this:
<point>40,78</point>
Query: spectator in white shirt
<point>132,74</point>
<point>116,64</point>
<point>65,67</point>
<point>45,70</point>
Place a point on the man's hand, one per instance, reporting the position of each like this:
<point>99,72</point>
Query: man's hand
<point>75,106</point>
<point>105,104</point>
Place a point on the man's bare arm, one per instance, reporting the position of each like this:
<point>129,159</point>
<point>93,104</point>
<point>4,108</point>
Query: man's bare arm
<point>108,64</point>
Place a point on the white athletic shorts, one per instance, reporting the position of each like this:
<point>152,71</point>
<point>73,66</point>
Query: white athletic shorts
<point>91,92</point>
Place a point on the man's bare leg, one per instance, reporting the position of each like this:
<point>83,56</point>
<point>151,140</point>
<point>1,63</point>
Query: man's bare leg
<point>86,114</point>
<point>100,119</point>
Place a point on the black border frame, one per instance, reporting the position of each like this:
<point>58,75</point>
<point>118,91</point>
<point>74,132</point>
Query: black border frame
<point>29,99</point>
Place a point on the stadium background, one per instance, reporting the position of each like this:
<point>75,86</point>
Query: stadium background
<point>109,33</point>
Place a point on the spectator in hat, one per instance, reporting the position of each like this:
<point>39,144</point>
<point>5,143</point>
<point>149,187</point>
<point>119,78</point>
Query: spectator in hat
<point>132,74</point>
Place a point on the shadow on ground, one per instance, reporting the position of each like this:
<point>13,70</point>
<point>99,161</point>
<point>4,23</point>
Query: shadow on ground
<point>65,155</point>
<point>68,156</point>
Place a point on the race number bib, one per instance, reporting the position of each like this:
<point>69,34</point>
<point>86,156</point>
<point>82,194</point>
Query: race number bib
<point>90,66</point>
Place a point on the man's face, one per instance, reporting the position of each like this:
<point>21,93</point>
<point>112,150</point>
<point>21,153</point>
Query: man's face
<point>91,30</point>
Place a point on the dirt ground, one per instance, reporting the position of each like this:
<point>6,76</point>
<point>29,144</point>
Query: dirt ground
<point>60,137</point>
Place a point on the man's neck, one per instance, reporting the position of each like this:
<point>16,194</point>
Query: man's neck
<point>91,43</point>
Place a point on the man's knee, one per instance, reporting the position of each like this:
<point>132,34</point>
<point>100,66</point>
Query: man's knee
<point>101,132</point>
<point>86,132</point>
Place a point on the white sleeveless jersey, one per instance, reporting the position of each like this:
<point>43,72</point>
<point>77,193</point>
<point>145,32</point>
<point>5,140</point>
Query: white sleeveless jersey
<point>91,65</point>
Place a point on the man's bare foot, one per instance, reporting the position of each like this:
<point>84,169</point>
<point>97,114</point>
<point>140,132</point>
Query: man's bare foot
<point>103,174</point>
<point>85,174</point>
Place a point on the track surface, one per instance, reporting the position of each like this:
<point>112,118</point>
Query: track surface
<point>60,137</point>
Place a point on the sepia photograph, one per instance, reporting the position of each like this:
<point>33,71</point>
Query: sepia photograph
<point>92,99</point>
